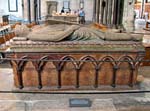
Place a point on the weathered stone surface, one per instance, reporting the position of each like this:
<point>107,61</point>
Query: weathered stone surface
<point>10,105</point>
<point>132,103</point>
<point>56,33</point>
<point>46,105</point>
<point>6,79</point>
<point>63,105</point>
<point>103,105</point>
<point>21,30</point>
<point>49,34</point>
<point>82,109</point>
<point>146,71</point>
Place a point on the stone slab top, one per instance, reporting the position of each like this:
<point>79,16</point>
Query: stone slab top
<point>75,46</point>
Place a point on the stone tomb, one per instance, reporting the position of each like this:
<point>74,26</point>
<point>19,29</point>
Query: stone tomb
<point>75,65</point>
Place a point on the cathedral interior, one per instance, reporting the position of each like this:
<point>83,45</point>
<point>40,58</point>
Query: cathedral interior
<point>80,55</point>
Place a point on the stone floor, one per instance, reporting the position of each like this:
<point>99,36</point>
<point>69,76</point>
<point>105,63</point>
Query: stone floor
<point>60,102</point>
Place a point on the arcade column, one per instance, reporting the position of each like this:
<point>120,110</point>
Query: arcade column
<point>32,10</point>
<point>128,15</point>
<point>25,10</point>
<point>108,12</point>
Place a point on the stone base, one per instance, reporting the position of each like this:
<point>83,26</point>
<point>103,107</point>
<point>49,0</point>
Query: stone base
<point>74,70</point>
<point>75,65</point>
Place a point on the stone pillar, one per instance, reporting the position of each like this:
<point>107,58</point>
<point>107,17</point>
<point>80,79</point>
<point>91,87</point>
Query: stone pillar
<point>103,6</point>
<point>25,10</point>
<point>36,11</point>
<point>114,12</point>
<point>98,10</point>
<point>106,12</point>
<point>94,11</point>
<point>32,10</point>
<point>128,16</point>
<point>29,11</point>
<point>22,9</point>
<point>88,8</point>
<point>142,8</point>
<point>96,4</point>
<point>39,9</point>
<point>43,9</point>
<point>118,13</point>
<point>109,12</point>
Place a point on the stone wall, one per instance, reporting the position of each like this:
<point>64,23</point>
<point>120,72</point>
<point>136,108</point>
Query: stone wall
<point>4,8</point>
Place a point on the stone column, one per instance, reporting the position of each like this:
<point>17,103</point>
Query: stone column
<point>128,16</point>
<point>25,10</point>
<point>114,12</point>
<point>29,11</point>
<point>88,8</point>
<point>36,11</point>
<point>110,4</point>
<point>96,1</point>
<point>118,17</point>
<point>22,9</point>
<point>43,9</point>
<point>98,10</point>
<point>106,12</point>
<point>94,11</point>
<point>142,8</point>
<point>32,10</point>
<point>103,6</point>
<point>39,9</point>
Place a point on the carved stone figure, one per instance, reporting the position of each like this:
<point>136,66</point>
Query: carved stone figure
<point>56,33</point>
<point>21,30</point>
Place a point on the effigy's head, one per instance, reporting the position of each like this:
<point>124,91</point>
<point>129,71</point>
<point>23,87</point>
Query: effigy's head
<point>21,30</point>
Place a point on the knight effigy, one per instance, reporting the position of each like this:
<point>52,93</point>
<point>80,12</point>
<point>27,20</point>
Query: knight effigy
<point>74,57</point>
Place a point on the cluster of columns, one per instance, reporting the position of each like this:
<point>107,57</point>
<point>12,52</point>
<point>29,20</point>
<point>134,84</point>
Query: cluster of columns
<point>31,10</point>
<point>108,12</point>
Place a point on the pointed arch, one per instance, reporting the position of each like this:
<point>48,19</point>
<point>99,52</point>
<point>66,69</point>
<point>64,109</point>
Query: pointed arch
<point>125,72</point>
<point>129,59</point>
<point>88,66</point>
<point>48,63</point>
<point>107,58</point>
<point>22,63</point>
<point>65,59</point>
<point>138,60</point>
<point>42,63</point>
<point>106,66</point>
<point>90,58</point>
